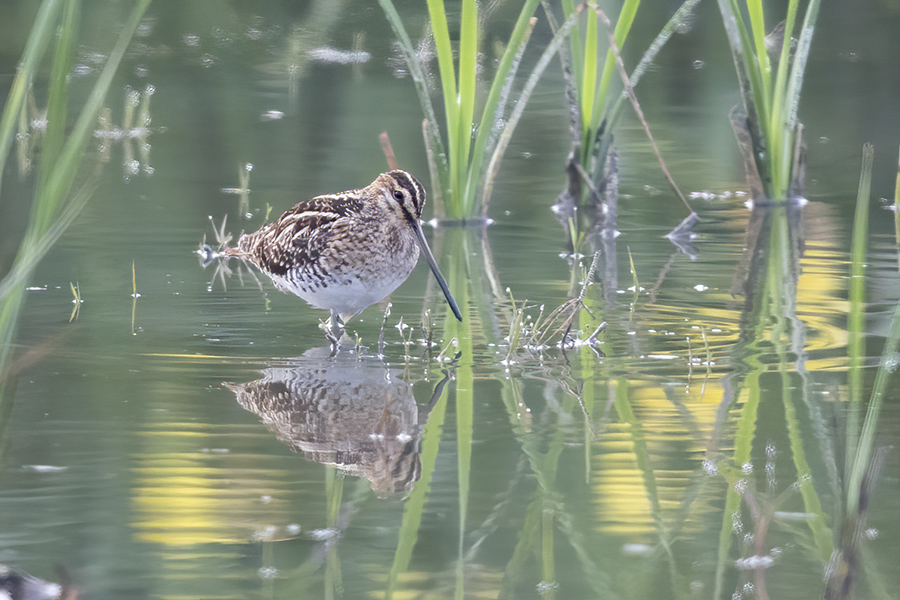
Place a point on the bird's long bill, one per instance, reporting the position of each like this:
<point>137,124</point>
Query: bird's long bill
<point>423,244</point>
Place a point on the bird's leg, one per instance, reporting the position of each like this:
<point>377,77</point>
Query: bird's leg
<point>334,329</point>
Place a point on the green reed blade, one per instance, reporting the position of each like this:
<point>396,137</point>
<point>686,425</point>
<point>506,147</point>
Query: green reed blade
<point>783,128</point>
<point>30,254</point>
<point>9,312</point>
<point>856,342</point>
<point>798,66</point>
<point>64,171</point>
<point>417,73</point>
<point>859,451</point>
<point>415,503</point>
<point>577,54</point>
<point>465,401</point>
<point>781,290</point>
<point>334,494</point>
<point>492,111</point>
<point>57,186</point>
<point>524,550</point>
<point>638,446</point>
<point>758,30</point>
<point>447,71</point>
<point>620,34</point>
<point>896,207</point>
<point>681,15</point>
<point>589,80</point>
<point>779,104</point>
<point>754,95</point>
<point>548,557</point>
<point>821,533</point>
<point>38,40</point>
<point>468,53</point>
<point>890,357</point>
<point>743,444</point>
<point>55,134</point>
<point>509,127</point>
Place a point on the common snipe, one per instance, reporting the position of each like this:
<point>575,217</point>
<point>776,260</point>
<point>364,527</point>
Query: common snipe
<point>344,252</point>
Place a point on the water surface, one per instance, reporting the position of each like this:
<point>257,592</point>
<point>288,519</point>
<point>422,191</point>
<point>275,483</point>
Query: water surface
<point>197,442</point>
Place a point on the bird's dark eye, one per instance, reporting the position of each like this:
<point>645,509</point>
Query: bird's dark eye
<point>398,195</point>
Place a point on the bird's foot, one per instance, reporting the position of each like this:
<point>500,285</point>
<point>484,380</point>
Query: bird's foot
<point>334,329</point>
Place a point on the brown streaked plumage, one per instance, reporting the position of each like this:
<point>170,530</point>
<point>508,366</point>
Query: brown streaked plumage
<point>347,410</point>
<point>346,251</point>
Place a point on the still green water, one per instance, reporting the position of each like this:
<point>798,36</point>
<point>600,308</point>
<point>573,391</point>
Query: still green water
<point>194,440</point>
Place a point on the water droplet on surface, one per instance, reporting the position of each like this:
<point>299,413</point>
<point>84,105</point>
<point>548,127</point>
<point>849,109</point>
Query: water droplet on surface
<point>338,56</point>
<point>271,115</point>
<point>267,572</point>
<point>321,535</point>
<point>737,526</point>
<point>264,533</point>
<point>545,587</point>
<point>44,468</point>
<point>635,549</point>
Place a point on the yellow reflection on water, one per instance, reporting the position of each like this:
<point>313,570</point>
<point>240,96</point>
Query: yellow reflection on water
<point>191,489</point>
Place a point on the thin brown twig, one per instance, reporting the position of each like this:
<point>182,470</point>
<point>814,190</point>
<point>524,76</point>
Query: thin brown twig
<point>620,66</point>
<point>388,150</point>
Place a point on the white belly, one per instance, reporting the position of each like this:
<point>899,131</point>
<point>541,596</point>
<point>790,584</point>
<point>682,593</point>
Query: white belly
<point>346,297</point>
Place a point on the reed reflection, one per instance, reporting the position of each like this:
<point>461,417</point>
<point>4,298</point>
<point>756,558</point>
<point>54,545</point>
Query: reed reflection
<point>344,409</point>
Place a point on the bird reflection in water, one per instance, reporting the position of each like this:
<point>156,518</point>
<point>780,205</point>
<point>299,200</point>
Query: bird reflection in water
<point>15,585</point>
<point>344,409</point>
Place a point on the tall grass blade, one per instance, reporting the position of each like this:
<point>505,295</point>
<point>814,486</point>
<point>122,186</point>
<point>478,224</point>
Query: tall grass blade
<point>784,63</point>
<point>859,449</point>
<point>415,504</point>
<point>856,343</point>
<point>47,222</point>
<point>29,256</point>
<point>674,23</point>
<point>623,26</point>
<point>589,79</point>
<point>494,106</point>
<point>468,52</point>
<point>54,137</point>
<point>798,68</point>
<point>63,175</point>
<point>38,40</point>
<point>620,67</point>
<point>896,208</point>
<point>509,127</point>
<point>417,73</point>
<point>743,444</point>
<point>465,401</point>
<point>748,80</point>
<point>524,550</point>
<point>758,30</point>
<point>577,54</point>
<point>447,71</point>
